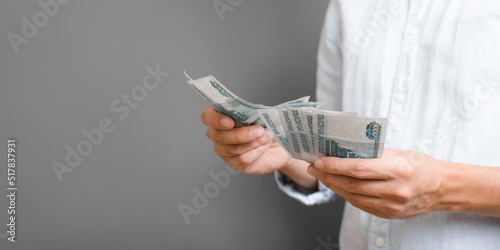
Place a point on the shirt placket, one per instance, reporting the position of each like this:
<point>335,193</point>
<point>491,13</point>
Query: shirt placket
<point>380,229</point>
<point>398,111</point>
<point>379,237</point>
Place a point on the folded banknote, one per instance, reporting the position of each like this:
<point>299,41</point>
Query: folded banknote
<point>303,130</point>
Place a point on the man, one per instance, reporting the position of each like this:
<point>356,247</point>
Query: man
<point>432,68</point>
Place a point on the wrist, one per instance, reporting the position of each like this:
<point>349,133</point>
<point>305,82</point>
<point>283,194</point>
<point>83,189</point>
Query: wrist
<point>469,189</point>
<point>296,170</point>
<point>289,166</point>
<point>450,186</point>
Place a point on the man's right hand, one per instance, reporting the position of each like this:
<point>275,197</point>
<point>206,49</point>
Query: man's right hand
<point>249,149</point>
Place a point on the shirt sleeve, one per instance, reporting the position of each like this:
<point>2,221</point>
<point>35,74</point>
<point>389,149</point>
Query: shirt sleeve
<point>323,195</point>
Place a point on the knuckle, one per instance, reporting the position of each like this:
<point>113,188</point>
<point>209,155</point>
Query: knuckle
<point>233,163</point>
<point>262,140</point>
<point>394,209</point>
<point>404,194</point>
<point>219,151</point>
<point>233,149</point>
<point>208,133</point>
<point>217,139</point>
<point>245,170</point>
<point>204,116</point>
<point>243,159</point>
<point>406,172</point>
<point>359,169</point>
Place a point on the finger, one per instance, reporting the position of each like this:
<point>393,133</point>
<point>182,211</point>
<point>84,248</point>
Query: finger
<point>386,207</point>
<point>244,161</point>
<point>358,168</point>
<point>375,188</point>
<point>373,210</point>
<point>381,207</point>
<point>239,135</point>
<point>354,199</point>
<point>366,203</point>
<point>351,184</point>
<point>233,150</point>
<point>214,119</point>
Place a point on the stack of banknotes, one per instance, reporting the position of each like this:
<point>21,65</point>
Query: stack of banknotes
<point>303,130</point>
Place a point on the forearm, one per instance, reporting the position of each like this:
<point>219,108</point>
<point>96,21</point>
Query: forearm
<point>296,170</point>
<point>470,189</point>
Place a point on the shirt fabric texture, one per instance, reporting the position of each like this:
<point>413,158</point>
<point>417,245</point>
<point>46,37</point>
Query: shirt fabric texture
<point>432,68</point>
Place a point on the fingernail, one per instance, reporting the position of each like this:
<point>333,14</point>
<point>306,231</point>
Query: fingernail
<point>311,170</point>
<point>319,164</point>
<point>257,132</point>
<point>225,122</point>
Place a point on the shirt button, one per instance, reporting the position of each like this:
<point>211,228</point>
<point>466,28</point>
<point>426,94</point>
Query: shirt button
<point>413,31</point>
<point>401,98</point>
<point>379,241</point>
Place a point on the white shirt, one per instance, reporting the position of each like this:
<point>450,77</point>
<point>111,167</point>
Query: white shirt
<point>432,68</point>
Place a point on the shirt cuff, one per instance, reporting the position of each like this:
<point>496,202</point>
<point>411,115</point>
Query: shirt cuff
<point>323,195</point>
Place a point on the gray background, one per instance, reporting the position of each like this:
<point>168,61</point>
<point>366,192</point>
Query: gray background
<point>126,193</point>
